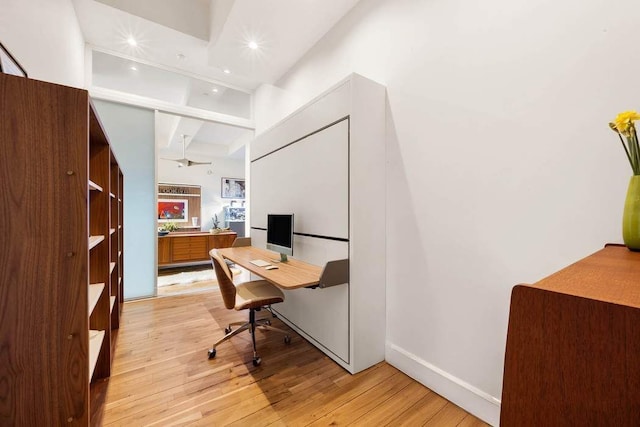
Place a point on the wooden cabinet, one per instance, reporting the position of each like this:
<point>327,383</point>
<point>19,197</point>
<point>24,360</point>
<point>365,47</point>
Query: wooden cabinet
<point>178,248</point>
<point>573,345</point>
<point>164,251</point>
<point>60,268</point>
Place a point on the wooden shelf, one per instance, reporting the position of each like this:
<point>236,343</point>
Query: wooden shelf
<point>112,230</point>
<point>95,290</point>
<point>95,344</point>
<point>178,195</point>
<point>112,265</point>
<point>112,302</point>
<point>113,196</point>
<point>94,240</point>
<point>70,306</point>
<point>119,254</point>
<point>94,187</point>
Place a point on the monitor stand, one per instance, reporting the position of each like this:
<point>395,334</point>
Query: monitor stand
<point>283,258</point>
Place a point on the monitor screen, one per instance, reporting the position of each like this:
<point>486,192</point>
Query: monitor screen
<point>280,233</point>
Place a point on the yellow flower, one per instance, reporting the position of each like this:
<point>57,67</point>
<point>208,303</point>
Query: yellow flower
<point>624,122</point>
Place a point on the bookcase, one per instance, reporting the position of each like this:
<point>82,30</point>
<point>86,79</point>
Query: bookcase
<point>61,271</point>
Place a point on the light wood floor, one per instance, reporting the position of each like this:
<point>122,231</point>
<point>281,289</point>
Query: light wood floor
<point>161,376</point>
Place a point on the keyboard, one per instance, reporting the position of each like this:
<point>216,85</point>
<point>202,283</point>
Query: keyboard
<point>259,263</point>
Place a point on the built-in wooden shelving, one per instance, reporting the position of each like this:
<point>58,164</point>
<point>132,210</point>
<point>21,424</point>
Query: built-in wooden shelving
<point>112,266</point>
<point>95,291</point>
<point>113,196</point>
<point>57,129</point>
<point>95,344</point>
<point>94,240</point>
<point>94,187</point>
<point>112,230</point>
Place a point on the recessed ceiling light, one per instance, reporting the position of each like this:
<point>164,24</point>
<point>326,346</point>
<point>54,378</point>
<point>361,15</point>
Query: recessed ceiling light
<point>227,71</point>
<point>180,56</point>
<point>132,41</point>
<point>214,90</point>
<point>252,45</point>
<point>133,67</point>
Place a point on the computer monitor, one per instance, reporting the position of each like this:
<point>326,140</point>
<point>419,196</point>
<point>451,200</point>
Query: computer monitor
<point>280,234</point>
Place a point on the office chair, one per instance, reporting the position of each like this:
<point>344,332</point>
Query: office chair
<point>253,295</point>
<point>241,241</point>
<point>237,243</point>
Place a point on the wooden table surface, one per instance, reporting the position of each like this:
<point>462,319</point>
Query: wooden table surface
<point>609,275</point>
<point>292,274</point>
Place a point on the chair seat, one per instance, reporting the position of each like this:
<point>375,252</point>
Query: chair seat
<point>257,293</point>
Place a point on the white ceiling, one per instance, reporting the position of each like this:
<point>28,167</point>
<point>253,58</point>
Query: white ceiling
<point>212,34</point>
<point>204,141</point>
<point>201,38</point>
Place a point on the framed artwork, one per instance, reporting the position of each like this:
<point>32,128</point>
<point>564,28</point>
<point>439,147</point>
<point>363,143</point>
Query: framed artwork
<point>173,210</point>
<point>232,188</point>
<point>9,65</point>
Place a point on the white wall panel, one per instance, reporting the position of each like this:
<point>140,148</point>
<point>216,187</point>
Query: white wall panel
<point>318,113</point>
<point>45,37</point>
<point>326,164</point>
<point>308,178</point>
<point>322,315</point>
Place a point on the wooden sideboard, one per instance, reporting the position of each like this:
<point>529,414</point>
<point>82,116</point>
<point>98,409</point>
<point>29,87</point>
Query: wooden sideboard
<point>573,345</point>
<point>183,248</point>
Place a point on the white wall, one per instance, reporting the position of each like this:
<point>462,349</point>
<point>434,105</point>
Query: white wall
<point>212,203</point>
<point>131,133</point>
<point>45,37</point>
<point>501,167</point>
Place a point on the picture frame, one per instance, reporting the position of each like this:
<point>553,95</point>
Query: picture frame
<point>9,65</point>
<point>232,188</point>
<point>173,210</point>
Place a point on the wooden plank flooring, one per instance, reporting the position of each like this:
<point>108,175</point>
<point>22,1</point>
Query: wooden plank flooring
<point>161,377</point>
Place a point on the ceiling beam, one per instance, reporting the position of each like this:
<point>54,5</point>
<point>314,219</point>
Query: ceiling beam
<point>168,107</point>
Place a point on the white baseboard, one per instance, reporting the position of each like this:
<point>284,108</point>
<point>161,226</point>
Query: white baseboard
<point>468,397</point>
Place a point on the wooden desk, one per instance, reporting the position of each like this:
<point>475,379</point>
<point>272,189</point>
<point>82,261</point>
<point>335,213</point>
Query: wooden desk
<point>573,345</point>
<point>292,274</point>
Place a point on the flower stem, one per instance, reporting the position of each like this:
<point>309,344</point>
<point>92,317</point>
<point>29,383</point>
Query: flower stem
<point>634,151</point>
<point>626,152</point>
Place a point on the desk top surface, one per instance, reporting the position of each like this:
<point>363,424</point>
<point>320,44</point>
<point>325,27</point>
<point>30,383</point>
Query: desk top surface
<point>292,274</point>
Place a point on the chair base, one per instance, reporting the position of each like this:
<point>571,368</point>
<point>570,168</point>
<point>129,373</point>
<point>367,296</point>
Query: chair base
<point>251,326</point>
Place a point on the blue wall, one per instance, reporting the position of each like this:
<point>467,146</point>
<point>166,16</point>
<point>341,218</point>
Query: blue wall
<point>131,131</point>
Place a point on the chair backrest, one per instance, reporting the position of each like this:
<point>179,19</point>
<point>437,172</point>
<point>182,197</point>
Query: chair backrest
<point>241,241</point>
<point>225,279</point>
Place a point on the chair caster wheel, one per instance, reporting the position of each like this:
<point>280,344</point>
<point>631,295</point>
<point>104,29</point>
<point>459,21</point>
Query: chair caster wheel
<point>212,353</point>
<point>257,361</point>
<point>287,339</point>
<point>227,330</point>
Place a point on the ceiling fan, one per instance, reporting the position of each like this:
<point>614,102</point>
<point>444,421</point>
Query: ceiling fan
<point>184,161</point>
